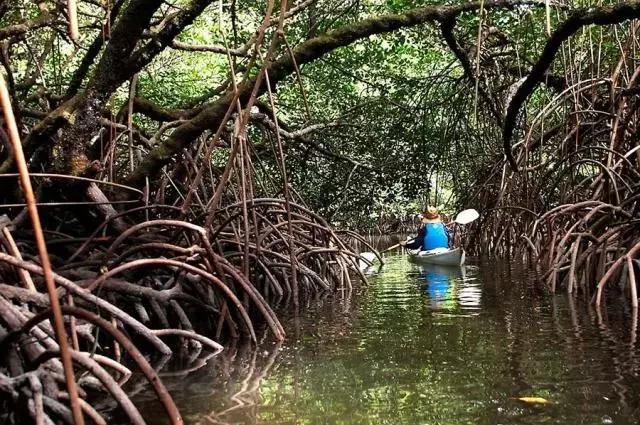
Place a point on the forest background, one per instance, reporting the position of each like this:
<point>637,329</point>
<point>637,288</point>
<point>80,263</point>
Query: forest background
<point>232,148</point>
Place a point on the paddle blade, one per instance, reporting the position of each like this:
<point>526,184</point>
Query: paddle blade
<point>466,216</point>
<point>370,257</point>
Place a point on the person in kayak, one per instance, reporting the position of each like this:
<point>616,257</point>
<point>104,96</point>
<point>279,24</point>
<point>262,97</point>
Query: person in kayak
<point>432,234</point>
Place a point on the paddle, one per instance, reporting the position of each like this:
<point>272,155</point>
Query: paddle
<point>463,217</point>
<point>389,249</point>
<point>466,216</point>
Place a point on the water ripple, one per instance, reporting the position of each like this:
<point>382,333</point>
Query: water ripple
<point>433,345</point>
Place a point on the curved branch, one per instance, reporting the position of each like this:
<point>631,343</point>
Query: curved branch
<point>301,136</point>
<point>606,15</point>
<point>213,48</point>
<point>306,52</point>
<point>43,20</point>
<point>447,32</point>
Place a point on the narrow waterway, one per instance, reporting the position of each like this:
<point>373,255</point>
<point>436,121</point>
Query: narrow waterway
<point>429,345</point>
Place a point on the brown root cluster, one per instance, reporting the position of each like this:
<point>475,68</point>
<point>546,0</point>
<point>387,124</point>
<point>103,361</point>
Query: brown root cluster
<point>157,280</point>
<point>573,205</point>
<point>205,249</point>
<point>163,287</point>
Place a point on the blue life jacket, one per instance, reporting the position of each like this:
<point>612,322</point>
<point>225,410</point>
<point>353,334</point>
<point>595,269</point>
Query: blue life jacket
<point>436,237</point>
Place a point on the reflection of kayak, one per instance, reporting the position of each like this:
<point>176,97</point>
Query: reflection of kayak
<point>448,288</point>
<point>442,284</point>
<point>436,271</point>
<point>443,257</point>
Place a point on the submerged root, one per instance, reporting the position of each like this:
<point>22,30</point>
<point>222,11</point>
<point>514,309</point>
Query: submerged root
<point>163,286</point>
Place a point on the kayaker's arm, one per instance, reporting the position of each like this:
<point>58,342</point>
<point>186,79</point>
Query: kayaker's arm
<point>449,238</point>
<point>417,241</point>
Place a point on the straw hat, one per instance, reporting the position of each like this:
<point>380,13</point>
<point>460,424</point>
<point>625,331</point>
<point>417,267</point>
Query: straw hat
<point>431,216</point>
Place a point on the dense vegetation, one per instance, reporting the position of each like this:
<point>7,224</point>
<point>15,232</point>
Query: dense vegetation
<point>191,158</point>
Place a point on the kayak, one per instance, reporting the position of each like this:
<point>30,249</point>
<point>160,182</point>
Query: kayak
<point>443,257</point>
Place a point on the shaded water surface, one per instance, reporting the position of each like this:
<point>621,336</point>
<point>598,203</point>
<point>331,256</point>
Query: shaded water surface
<point>429,345</point>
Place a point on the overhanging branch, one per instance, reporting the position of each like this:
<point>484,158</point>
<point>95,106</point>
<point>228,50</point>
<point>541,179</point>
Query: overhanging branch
<point>446,27</point>
<point>212,48</point>
<point>45,19</point>
<point>606,15</point>
<point>302,134</point>
<point>305,52</point>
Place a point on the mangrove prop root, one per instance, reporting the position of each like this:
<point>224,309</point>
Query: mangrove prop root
<point>205,261</point>
<point>573,208</point>
<point>170,275</point>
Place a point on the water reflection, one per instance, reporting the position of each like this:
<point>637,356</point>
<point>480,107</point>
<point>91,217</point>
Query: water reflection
<point>227,390</point>
<point>429,345</point>
<point>449,288</point>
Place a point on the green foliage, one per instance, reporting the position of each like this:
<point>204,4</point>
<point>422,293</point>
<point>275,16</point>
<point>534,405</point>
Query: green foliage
<point>401,111</point>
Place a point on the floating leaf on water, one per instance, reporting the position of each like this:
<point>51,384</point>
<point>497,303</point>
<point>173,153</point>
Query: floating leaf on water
<point>533,400</point>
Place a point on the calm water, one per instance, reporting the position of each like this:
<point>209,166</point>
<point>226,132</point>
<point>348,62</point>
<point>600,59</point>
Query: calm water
<point>428,345</point>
